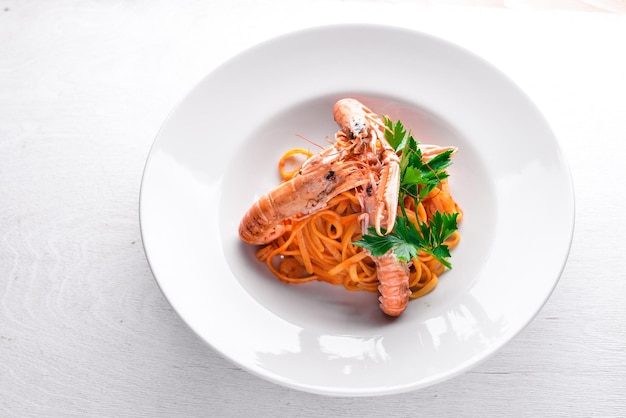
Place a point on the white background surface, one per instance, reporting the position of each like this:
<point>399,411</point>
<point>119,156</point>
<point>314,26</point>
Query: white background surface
<point>84,88</point>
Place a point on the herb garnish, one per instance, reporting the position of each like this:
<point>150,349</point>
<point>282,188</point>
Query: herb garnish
<point>417,180</point>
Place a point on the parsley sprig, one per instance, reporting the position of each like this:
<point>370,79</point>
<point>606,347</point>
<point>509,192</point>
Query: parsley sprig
<point>415,173</point>
<point>417,180</point>
<point>406,239</point>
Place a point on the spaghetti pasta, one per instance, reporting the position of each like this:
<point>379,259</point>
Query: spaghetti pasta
<point>320,246</point>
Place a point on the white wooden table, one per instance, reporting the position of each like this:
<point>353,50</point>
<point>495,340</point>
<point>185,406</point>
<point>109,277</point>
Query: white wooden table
<point>84,329</point>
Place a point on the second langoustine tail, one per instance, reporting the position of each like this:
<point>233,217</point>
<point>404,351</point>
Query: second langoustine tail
<point>394,284</point>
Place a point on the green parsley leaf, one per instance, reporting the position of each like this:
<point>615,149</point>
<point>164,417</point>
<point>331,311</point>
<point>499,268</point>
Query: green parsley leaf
<point>412,176</point>
<point>377,245</point>
<point>417,180</point>
<point>426,176</point>
<point>405,232</point>
<point>395,134</point>
<point>407,240</point>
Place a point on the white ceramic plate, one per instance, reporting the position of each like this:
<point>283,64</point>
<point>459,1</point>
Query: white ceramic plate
<point>217,153</point>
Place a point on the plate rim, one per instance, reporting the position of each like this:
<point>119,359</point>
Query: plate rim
<point>344,391</point>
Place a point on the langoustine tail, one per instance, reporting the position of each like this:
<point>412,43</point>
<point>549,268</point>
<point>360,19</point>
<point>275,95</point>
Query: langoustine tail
<point>394,289</point>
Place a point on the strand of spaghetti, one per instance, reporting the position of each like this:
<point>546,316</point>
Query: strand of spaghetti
<point>411,216</point>
<point>324,276</point>
<point>285,243</point>
<point>421,278</point>
<point>344,264</point>
<point>282,249</point>
<point>355,280</point>
<point>330,245</point>
<point>336,201</point>
<point>369,270</point>
<point>281,275</point>
<point>429,286</point>
<point>342,236</point>
<point>358,281</point>
<point>329,220</point>
<point>369,281</point>
<point>438,205</point>
<point>354,274</point>
<point>304,251</point>
<point>453,239</point>
<point>350,196</point>
<point>264,253</point>
<point>315,246</point>
<point>295,227</point>
<point>350,219</point>
<point>424,276</point>
<point>294,280</point>
<point>333,230</point>
<point>352,281</point>
<point>434,192</point>
<point>286,175</point>
<point>270,251</point>
<point>343,204</point>
<point>319,238</point>
<point>440,199</point>
<point>432,264</point>
<point>347,240</point>
<point>325,260</point>
<point>421,212</point>
<point>415,276</point>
